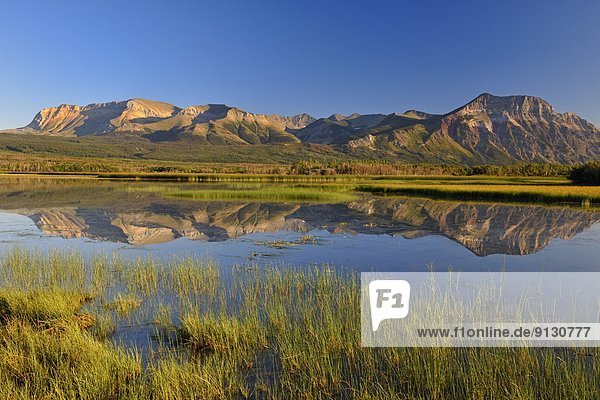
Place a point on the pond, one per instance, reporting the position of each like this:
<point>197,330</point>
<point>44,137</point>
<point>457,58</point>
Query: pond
<point>366,233</point>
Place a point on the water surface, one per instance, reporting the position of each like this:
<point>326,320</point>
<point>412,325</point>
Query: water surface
<point>367,234</point>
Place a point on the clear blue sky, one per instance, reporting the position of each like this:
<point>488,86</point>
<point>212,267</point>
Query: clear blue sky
<point>289,57</point>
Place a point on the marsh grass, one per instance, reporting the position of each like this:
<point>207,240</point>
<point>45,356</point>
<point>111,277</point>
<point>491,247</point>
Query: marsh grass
<point>39,306</point>
<point>272,193</point>
<point>247,332</point>
<point>230,178</point>
<point>38,363</point>
<point>47,351</point>
<point>123,303</point>
<point>509,189</point>
<point>210,333</point>
<point>533,193</point>
<point>104,327</point>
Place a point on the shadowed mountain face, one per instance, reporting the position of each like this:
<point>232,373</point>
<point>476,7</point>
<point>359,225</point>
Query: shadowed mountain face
<point>338,129</point>
<point>107,213</point>
<point>489,129</point>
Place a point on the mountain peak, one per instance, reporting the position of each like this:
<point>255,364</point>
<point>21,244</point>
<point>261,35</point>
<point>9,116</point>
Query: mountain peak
<point>485,94</point>
<point>512,105</point>
<point>336,117</point>
<point>416,114</point>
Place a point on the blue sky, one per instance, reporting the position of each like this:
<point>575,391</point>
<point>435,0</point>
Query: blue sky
<point>289,57</point>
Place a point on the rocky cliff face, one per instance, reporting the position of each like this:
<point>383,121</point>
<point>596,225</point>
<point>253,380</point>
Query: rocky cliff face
<point>295,121</point>
<point>212,124</point>
<point>338,129</point>
<point>101,118</point>
<point>523,128</point>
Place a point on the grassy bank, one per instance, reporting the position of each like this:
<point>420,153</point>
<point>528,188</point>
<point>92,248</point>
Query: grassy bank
<point>529,190</point>
<point>240,333</point>
<point>335,189</point>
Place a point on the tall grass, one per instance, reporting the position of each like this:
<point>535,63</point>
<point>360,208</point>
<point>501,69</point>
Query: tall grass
<point>240,333</point>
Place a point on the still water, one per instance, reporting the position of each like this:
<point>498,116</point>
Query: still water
<point>370,233</point>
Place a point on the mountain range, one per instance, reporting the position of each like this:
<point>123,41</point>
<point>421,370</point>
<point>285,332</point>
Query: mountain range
<point>488,129</point>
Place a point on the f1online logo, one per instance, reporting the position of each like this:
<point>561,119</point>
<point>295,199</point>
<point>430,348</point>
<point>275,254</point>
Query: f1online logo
<point>389,299</point>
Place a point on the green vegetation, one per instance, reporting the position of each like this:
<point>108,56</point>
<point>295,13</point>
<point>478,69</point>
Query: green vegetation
<point>46,191</point>
<point>533,190</point>
<point>586,174</point>
<point>224,178</point>
<point>130,153</point>
<point>124,304</point>
<point>335,189</point>
<point>70,364</point>
<point>40,307</point>
<point>271,193</point>
<point>240,333</point>
<point>388,168</point>
<point>113,154</point>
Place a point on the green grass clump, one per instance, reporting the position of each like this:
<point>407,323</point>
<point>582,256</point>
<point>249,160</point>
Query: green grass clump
<point>123,303</point>
<point>39,306</point>
<point>46,351</point>
<point>104,327</point>
<point>213,333</point>
<point>215,377</point>
<point>284,244</point>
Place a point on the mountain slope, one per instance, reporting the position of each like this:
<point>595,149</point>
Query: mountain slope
<point>337,129</point>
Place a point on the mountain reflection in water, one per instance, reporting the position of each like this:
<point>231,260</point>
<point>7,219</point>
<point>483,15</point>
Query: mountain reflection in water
<point>114,213</point>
